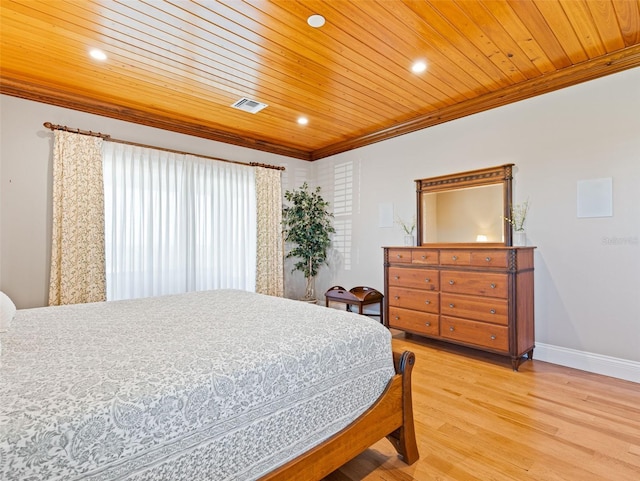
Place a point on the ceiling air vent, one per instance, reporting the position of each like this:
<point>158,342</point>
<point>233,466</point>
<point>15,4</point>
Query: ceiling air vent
<point>248,105</point>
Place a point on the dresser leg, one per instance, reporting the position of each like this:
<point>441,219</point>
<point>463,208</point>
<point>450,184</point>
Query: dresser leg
<point>515,363</point>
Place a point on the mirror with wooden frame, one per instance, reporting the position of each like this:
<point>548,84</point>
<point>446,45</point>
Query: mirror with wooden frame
<point>467,207</point>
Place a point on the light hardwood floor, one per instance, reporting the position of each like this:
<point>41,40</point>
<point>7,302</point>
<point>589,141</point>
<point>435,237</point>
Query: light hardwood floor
<point>477,419</point>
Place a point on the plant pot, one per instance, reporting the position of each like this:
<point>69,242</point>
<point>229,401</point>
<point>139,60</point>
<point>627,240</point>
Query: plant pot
<point>519,238</point>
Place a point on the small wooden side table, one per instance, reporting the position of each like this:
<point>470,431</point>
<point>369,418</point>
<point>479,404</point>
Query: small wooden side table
<point>358,296</point>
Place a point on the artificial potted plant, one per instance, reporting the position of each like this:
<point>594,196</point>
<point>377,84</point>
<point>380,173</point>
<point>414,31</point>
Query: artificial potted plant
<point>307,224</point>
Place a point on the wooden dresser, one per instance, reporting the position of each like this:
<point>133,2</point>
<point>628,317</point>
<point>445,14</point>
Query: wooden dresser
<point>477,296</point>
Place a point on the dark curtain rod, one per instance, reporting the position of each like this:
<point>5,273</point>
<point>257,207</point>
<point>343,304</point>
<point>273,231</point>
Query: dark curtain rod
<point>51,126</point>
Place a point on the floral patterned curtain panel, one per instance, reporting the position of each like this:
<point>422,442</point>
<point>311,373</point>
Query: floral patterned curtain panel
<point>77,251</point>
<point>269,263</point>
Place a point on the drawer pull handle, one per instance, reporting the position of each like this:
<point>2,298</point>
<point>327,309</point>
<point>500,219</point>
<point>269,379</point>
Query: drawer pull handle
<point>493,286</point>
<point>451,305</point>
<point>451,328</point>
<point>455,258</point>
<point>488,259</point>
<point>427,302</point>
<point>397,318</point>
<point>396,297</point>
<point>399,256</point>
<point>452,282</point>
<point>424,257</point>
<point>493,338</point>
<point>428,324</point>
<point>492,311</point>
<point>427,280</point>
<point>396,277</point>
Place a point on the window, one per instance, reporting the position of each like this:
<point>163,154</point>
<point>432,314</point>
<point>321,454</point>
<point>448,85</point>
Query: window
<point>343,210</point>
<point>176,223</point>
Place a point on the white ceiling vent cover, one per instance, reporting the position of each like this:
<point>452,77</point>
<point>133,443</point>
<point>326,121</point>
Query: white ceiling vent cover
<point>248,105</point>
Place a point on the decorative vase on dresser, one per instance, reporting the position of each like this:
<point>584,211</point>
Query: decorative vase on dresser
<point>474,296</point>
<point>520,238</point>
<point>409,240</point>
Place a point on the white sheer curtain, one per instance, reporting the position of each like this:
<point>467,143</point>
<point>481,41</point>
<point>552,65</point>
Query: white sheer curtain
<point>176,223</point>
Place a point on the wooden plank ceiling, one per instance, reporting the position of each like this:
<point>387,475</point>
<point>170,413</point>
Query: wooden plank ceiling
<point>179,65</point>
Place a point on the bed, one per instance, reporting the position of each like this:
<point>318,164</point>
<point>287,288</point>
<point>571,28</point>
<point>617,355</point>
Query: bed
<point>215,385</point>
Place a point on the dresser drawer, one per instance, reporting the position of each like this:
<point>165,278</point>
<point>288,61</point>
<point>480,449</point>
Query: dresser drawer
<point>420,300</point>
<point>424,256</point>
<point>489,258</point>
<point>414,278</point>
<point>475,283</point>
<point>482,334</point>
<point>402,256</point>
<point>414,321</point>
<point>455,258</point>
<point>488,309</point>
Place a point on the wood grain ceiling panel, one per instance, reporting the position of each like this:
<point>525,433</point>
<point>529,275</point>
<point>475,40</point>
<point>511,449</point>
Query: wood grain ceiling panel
<point>179,65</point>
<point>447,84</point>
<point>604,17</point>
<point>505,49</point>
<point>628,16</point>
<point>445,33</point>
<point>579,16</point>
<point>555,16</point>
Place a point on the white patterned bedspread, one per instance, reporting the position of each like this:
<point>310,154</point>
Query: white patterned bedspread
<point>217,385</point>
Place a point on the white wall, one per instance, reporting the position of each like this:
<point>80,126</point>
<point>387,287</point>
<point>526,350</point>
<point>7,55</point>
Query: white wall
<point>25,184</point>
<point>587,278</point>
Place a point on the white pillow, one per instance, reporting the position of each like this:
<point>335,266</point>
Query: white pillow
<point>7,311</point>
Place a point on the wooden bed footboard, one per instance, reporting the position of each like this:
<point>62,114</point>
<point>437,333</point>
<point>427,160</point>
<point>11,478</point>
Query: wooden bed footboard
<point>391,416</point>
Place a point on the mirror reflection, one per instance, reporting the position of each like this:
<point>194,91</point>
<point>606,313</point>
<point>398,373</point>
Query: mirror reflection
<point>473,214</point>
<point>465,207</point>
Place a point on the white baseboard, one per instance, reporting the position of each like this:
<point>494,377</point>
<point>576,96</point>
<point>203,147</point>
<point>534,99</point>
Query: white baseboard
<point>588,361</point>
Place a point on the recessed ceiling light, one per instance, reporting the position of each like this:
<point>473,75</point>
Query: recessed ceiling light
<point>316,21</point>
<point>98,54</point>
<point>303,120</point>
<point>419,66</point>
